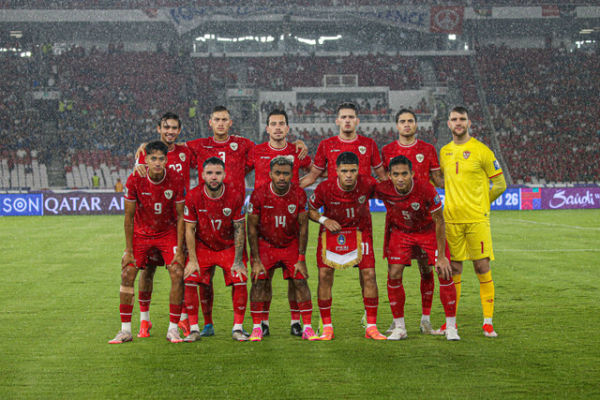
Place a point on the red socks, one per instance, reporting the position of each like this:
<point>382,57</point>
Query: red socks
<point>427,287</point>
<point>305,308</point>
<point>294,310</point>
<point>126,310</point>
<point>448,296</point>
<point>207,296</point>
<point>325,310</point>
<point>397,297</point>
<point>191,302</point>
<point>240,299</point>
<point>174,313</point>
<point>144,300</point>
<point>371,304</point>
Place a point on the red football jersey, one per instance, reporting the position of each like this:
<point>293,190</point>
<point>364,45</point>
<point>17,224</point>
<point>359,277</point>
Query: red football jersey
<point>349,208</point>
<point>155,212</point>
<point>422,155</point>
<point>236,152</point>
<point>180,160</point>
<point>278,214</point>
<point>365,148</point>
<point>410,212</point>
<point>264,153</point>
<point>213,217</point>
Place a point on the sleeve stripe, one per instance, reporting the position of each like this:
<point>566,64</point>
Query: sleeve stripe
<point>132,200</point>
<point>180,201</point>
<point>432,211</point>
<point>193,221</point>
<point>498,174</point>
<point>240,219</point>
<point>317,167</point>
<point>435,169</point>
<point>378,165</point>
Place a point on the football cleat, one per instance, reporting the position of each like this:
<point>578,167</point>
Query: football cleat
<point>239,335</point>
<point>122,337</point>
<point>398,334</point>
<point>194,336</point>
<point>327,333</point>
<point>184,325</point>
<point>426,328</point>
<point>296,329</point>
<point>441,331</point>
<point>309,334</point>
<point>452,333</point>
<point>265,329</point>
<point>373,333</point>
<point>173,336</point>
<point>391,328</point>
<point>256,335</point>
<point>145,327</point>
<point>208,330</point>
<point>488,330</point>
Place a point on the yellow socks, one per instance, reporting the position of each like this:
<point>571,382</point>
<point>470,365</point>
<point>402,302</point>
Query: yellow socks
<point>486,292</point>
<point>457,284</point>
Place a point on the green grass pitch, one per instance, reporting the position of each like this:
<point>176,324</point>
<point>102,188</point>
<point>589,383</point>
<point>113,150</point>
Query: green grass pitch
<point>59,307</point>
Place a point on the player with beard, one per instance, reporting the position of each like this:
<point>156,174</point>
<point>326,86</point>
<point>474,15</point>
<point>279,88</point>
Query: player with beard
<point>215,236</point>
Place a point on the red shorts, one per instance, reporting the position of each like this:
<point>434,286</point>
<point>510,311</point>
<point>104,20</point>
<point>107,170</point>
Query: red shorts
<point>155,258</point>
<point>154,251</point>
<point>275,257</point>
<point>208,258</point>
<point>368,258</point>
<point>403,247</point>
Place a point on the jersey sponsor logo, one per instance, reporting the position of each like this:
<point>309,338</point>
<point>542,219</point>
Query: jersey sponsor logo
<point>362,199</point>
<point>202,211</point>
<point>250,208</point>
<point>227,212</point>
<point>336,203</point>
<point>420,157</point>
<point>168,194</point>
<point>466,154</point>
<point>335,150</point>
<point>186,211</point>
<point>146,194</point>
<point>496,165</point>
<point>362,149</point>
<point>269,207</point>
<point>265,157</point>
<point>449,154</point>
<point>182,156</point>
<point>234,146</point>
<point>415,206</point>
<point>292,208</point>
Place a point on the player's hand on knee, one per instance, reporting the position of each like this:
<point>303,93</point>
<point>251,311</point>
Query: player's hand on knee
<point>190,268</point>
<point>443,268</point>
<point>179,258</point>
<point>300,267</point>
<point>257,269</point>
<point>332,225</point>
<point>127,259</point>
<point>238,269</point>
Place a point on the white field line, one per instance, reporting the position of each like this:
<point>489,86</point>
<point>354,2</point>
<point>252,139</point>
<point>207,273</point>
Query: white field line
<point>586,228</point>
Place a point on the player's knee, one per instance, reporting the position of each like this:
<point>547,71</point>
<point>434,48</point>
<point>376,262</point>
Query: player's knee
<point>176,272</point>
<point>299,284</point>
<point>481,266</point>
<point>368,275</point>
<point>128,275</point>
<point>395,271</point>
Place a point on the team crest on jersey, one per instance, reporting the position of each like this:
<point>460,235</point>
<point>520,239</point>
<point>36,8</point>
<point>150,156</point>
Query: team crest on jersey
<point>234,146</point>
<point>415,206</point>
<point>362,149</point>
<point>362,199</point>
<point>292,208</point>
<point>420,158</point>
<point>227,212</point>
<point>186,211</point>
<point>250,208</point>
<point>182,157</point>
<point>466,154</point>
<point>168,194</point>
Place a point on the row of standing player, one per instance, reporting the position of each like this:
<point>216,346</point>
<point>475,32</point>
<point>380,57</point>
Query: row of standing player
<point>400,232</point>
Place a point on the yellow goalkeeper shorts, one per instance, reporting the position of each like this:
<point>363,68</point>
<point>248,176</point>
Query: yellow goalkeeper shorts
<point>471,241</point>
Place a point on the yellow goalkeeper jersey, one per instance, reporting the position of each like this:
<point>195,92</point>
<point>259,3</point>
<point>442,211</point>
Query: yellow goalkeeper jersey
<point>467,171</point>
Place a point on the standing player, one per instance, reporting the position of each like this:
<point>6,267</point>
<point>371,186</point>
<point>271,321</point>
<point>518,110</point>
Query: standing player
<point>347,140</point>
<point>426,166</point>
<point>278,233</point>
<point>415,224</point>
<point>277,129</point>
<point>215,235</point>
<point>345,237</point>
<point>179,160</point>
<point>153,221</point>
<point>468,167</point>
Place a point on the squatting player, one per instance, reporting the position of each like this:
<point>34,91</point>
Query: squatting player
<point>153,222</point>
<point>277,129</point>
<point>426,167</point>
<point>179,160</point>
<point>468,167</point>
<point>347,232</point>
<point>415,224</point>
<point>277,234</point>
<point>215,235</point>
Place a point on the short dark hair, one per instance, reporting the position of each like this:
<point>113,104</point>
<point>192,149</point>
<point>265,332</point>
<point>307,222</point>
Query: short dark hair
<point>282,160</point>
<point>460,110</point>
<point>213,161</point>
<point>278,112</point>
<point>347,105</point>
<point>219,109</point>
<point>400,160</point>
<point>157,145</point>
<point>405,110</point>
<point>169,115</point>
<point>346,157</point>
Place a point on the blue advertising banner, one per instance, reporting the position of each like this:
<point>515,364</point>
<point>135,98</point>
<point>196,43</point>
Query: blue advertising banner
<point>21,204</point>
